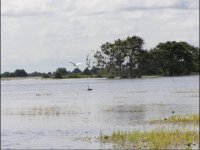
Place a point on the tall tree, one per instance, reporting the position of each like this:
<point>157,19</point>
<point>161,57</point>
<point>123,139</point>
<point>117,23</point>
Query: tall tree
<point>76,71</point>
<point>122,57</point>
<point>20,73</point>
<point>135,51</point>
<point>176,58</point>
<point>63,71</point>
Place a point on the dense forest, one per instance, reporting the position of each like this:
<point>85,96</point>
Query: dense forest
<point>126,58</point>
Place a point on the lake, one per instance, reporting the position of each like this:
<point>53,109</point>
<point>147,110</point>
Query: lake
<point>58,114</point>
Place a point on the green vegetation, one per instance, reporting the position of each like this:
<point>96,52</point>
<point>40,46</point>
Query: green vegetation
<point>44,111</point>
<point>121,58</point>
<point>16,73</point>
<point>155,139</point>
<point>58,75</point>
<point>175,58</point>
<point>126,58</point>
<point>179,119</point>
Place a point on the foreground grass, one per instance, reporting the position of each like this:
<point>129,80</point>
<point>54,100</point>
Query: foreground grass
<point>179,119</point>
<point>155,139</point>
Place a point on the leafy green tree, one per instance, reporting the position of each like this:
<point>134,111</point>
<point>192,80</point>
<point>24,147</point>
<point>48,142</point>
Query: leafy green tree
<point>44,75</point>
<point>94,70</point>
<point>122,57</point>
<point>76,71</point>
<point>35,74</point>
<point>134,55</point>
<point>63,71</point>
<point>58,75</point>
<point>20,73</point>
<point>7,74</point>
<point>49,74</point>
<point>86,71</point>
<point>175,58</point>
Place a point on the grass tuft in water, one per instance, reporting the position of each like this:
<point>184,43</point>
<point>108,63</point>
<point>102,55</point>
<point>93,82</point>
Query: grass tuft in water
<point>179,119</point>
<point>155,139</point>
<point>45,111</point>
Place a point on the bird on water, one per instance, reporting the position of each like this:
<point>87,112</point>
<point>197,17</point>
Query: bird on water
<point>89,89</point>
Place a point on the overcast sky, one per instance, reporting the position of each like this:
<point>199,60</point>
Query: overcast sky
<point>42,35</point>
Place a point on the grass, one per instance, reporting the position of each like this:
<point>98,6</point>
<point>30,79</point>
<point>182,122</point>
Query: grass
<point>179,119</point>
<point>126,109</point>
<point>155,139</point>
<point>42,111</point>
<point>45,111</point>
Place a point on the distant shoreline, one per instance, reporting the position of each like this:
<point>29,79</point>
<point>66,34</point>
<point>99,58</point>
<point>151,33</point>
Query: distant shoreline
<point>40,78</point>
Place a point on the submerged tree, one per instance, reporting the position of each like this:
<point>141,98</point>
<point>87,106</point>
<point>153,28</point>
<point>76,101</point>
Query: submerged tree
<point>122,58</point>
<point>176,58</point>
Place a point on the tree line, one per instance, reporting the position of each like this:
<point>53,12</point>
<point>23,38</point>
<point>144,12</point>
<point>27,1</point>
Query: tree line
<point>60,72</point>
<point>127,58</point>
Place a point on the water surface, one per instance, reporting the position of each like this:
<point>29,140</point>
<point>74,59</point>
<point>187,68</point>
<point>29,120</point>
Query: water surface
<point>38,113</point>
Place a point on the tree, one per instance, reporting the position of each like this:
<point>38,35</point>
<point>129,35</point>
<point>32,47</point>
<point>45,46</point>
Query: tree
<point>134,54</point>
<point>122,57</point>
<point>175,58</point>
<point>58,75</point>
<point>7,74</point>
<point>44,75</point>
<point>49,74</point>
<point>63,71</point>
<point>35,74</point>
<point>86,71</point>
<point>76,71</point>
<point>94,70</point>
<point>20,73</point>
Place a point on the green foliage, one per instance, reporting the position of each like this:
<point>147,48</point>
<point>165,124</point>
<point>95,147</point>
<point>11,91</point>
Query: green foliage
<point>60,72</point>
<point>155,139</point>
<point>7,74</point>
<point>76,70</point>
<point>44,75</point>
<point>175,58</point>
<point>58,75</point>
<point>122,57</point>
<point>94,70</point>
<point>74,76</point>
<point>127,59</point>
<point>179,119</point>
<point>20,73</point>
<point>86,71</point>
<point>63,71</point>
<point>16,73</point>
<point>35,74</point>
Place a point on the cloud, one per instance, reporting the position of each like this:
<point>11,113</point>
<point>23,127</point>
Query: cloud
<point>46,34</point>
<point>25,8</point>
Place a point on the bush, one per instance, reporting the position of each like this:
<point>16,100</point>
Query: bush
<point>45,75</point>
<point>58,75</point>
<point>20,73</point>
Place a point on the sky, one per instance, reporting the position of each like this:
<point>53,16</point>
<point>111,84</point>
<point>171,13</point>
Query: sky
<point>42,35</point>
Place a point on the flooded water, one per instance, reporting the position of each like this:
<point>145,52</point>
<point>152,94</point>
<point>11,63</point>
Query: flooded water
<point>38,113</point>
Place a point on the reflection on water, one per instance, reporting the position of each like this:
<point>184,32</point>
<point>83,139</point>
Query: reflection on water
<point>62,113</point>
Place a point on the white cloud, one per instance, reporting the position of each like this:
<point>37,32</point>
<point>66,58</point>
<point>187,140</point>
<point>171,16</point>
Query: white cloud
<point>45,34</point>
